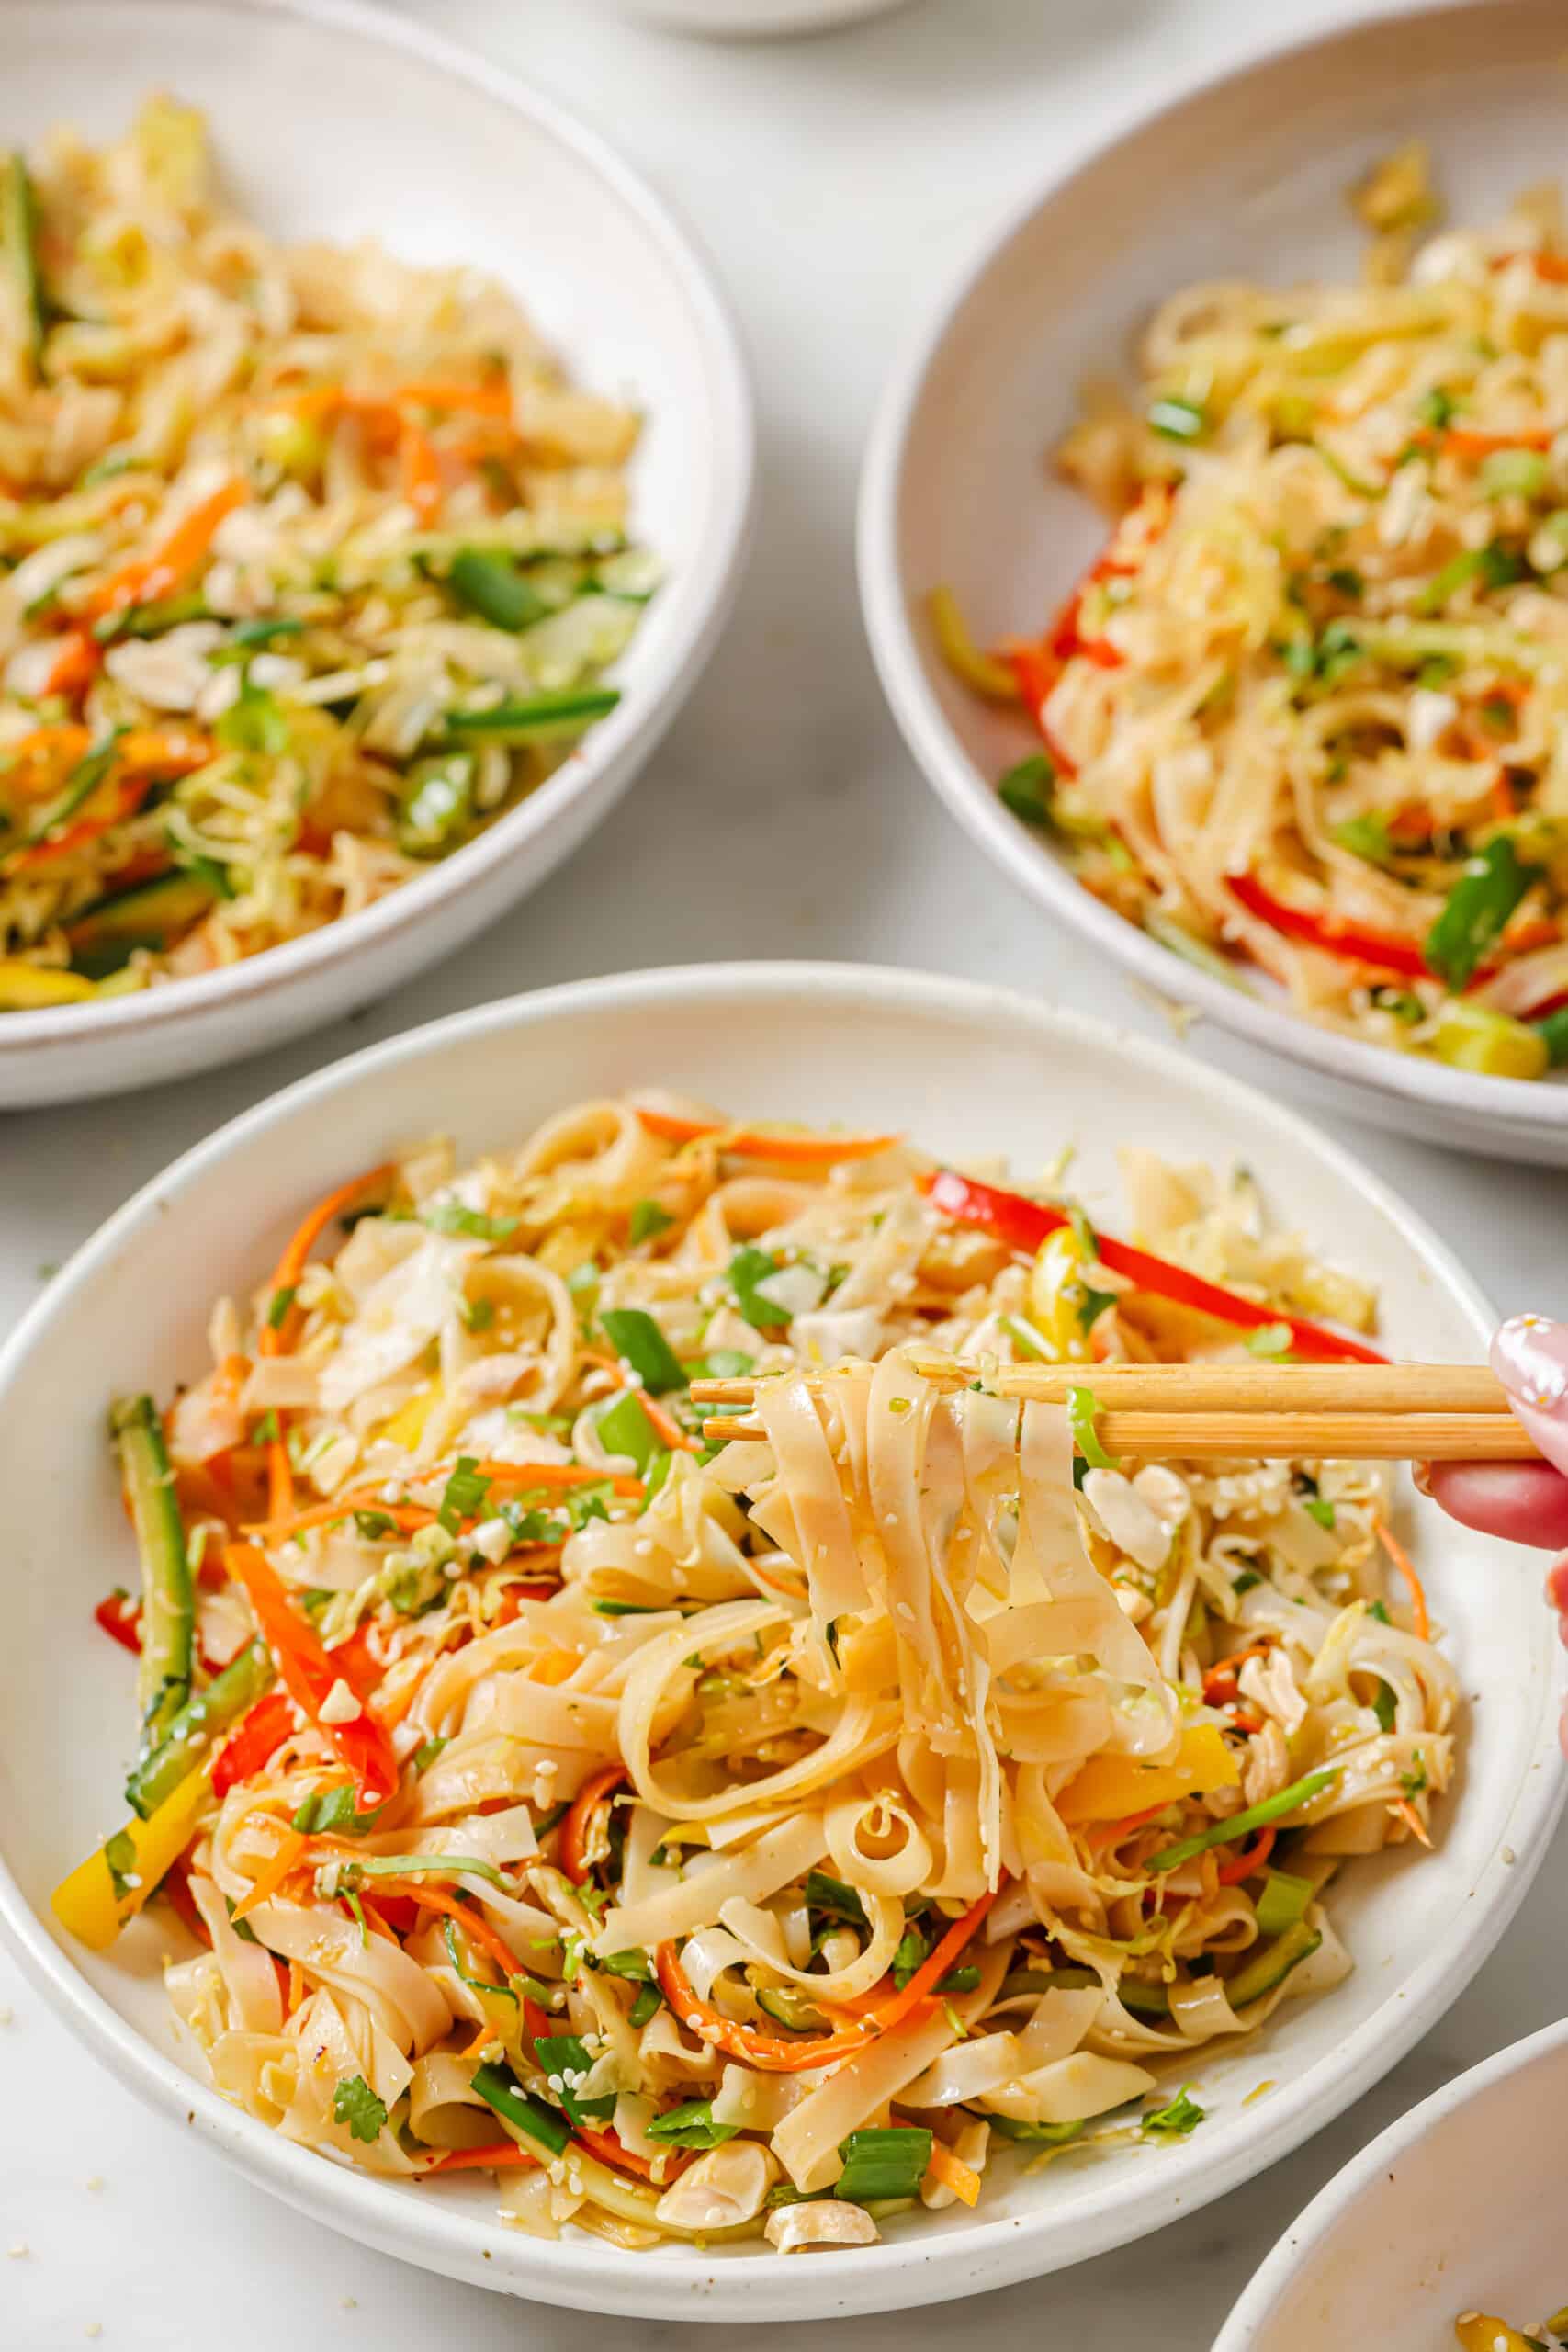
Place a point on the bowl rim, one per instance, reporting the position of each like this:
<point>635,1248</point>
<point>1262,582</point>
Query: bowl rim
<point>888,606</point>
<point>883,2277</point>
<point>1244,2331</point>
<point>707,583</point>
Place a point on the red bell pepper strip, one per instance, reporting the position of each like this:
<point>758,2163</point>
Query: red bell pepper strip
<point>1023,1225</point>
<point>309,1671</point>
<point>121,1620</point>
<point>1250,1859</point>
<point>255,1743</point>
<point>1325,931</point>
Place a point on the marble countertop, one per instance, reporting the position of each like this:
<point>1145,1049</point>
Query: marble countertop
<point>835,182</point>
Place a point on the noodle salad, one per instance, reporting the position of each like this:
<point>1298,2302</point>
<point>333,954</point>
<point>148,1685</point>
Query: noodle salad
<point>746,1840</point>
<point>310,565</point>
<point>1306,711</point>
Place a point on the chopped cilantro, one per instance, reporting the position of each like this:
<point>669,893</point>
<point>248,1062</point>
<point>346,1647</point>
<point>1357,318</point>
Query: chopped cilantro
<point>355,2104</point>
<point>648,1221</point>
<point>451,1217</point>
<point>1174,2122</point>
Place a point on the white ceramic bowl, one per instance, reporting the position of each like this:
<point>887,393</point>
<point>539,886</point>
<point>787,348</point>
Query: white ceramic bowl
<point>752,20</point>
<point>338,120</point>
<point>967,1069</point>
<point>1242,176</point>
<point>1452,2209</point>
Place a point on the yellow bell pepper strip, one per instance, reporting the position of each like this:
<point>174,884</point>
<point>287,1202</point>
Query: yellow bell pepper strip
<point>111,1885</point>
<point>29,988</point>
<point>1110,1786</point>
<point>979,671</point>
<point>1478,2332</point>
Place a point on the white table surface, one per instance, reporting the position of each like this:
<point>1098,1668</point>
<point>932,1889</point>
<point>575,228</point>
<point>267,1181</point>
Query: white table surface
<point>836,181</point>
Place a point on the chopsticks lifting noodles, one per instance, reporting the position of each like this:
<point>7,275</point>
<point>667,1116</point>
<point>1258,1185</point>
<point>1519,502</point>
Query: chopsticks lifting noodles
<point>1344,1412</point>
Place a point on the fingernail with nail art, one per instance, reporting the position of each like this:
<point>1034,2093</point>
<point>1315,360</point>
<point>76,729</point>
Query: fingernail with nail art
<point>1529,1356</point>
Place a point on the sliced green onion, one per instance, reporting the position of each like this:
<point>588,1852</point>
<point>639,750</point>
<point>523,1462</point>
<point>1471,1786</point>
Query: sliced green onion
<point>691,2126</point>
<point>1512,473</point>
<point>833,1898</point>
<point>638,1341</point>
<point>1366,836</point>
<point>1081,1410</point>
<point>625,1429</point>
<point>491,586</point>
<point>746,1268</point>
<point>1283,1901</point>
<point>1477,910</point>
<point>540,719</point>
<point>463,1497</point>
<point>1026,789</point>
<point>451,1217</point>
<point>880,2164</point>
<point>519,2108</point>
<point>1242,1824</point>
<point>437,804</point>
<point>561,2055</point>
<point>647,1220</point>
<point>1554,1033</point>
<point>1177,419</point>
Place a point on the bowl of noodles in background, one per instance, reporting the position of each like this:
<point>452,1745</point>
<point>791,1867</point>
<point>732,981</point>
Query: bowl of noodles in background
<point>133,952</point>
<point>964,1071</point>
<point>1440,2231</point>
<point>1246,182</point>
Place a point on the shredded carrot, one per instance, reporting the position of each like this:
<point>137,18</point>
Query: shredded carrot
<point>419,468</point>
<point>475,1926</point>
<point>611,2150</point>
<point>950,2171</point>
<point>1411,1818</point>
<point>277,1339</point>
<point>77,660</point>
<point>410,1516</point>
<point>289,1854</point>
<point>664,1425</point>
<point>1252,1857</point>
<point>1220,1681</point>
<point>141,758</point>
<point>574,1827</point>
<point>1420,1617</point>
<point>495,2155</point>
<point>159,574</point>
<point>756,1143</point>
<point>1465,443</point>
<point>772,2056</point>
<point>1111,1833</point>
<point>491,399</point>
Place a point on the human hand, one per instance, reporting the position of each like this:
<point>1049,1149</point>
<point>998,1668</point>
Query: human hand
<point>1524,1501</point>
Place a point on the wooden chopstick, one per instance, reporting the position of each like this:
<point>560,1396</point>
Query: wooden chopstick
<point>1216,1388</point>
<point>1272,1412</point>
